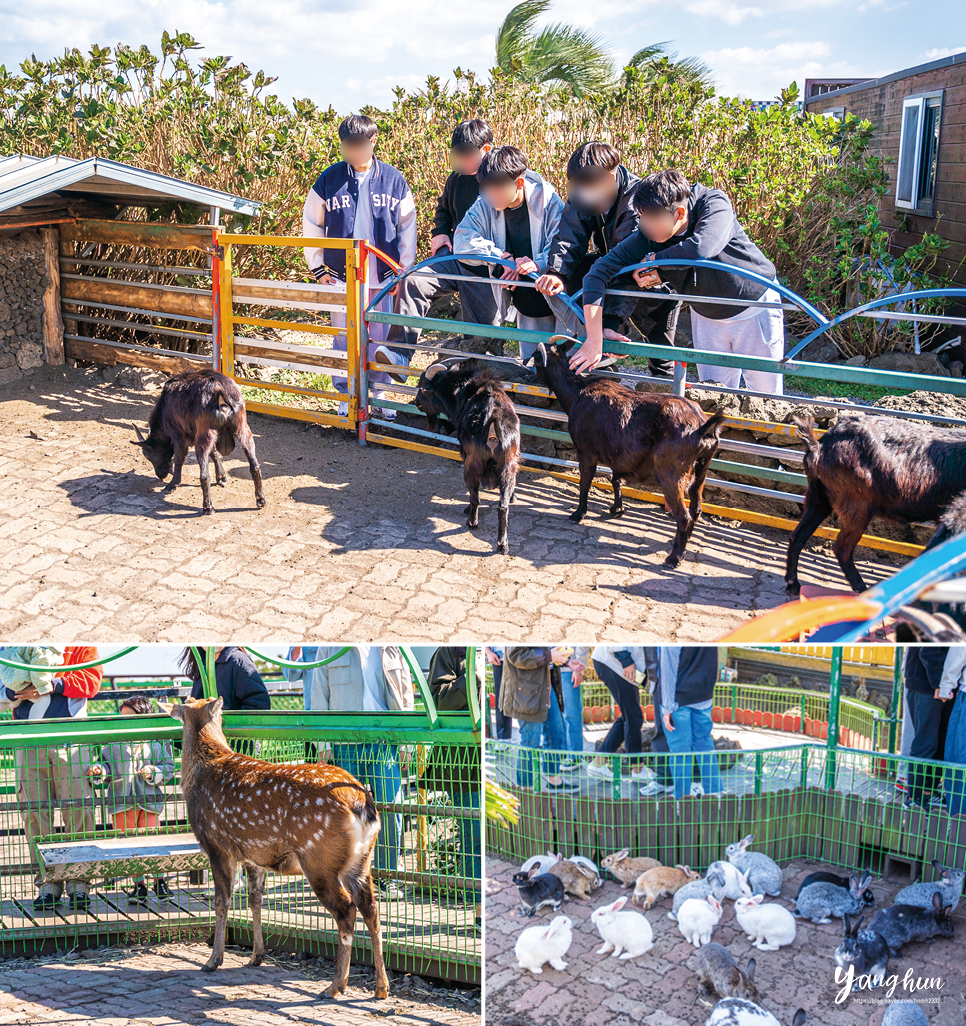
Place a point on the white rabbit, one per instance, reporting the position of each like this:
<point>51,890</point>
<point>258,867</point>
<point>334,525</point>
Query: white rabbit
<point>629,934</point>
<point>543,861</point>
<point>736,883</point>
<point>768,927</point>
<point>734,1011</point>
<point>697,919</point>
<point>539,944</point>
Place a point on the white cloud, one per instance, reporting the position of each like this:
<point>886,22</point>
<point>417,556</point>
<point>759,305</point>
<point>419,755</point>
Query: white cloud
<point>939,52</point>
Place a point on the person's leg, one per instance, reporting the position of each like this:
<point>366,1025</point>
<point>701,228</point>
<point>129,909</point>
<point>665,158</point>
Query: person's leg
<point>713,336</point>
<point>471,862</point>
<point>927,717</point>
<point>524,323</point>
<point>504,724</point>
<point>612,681</point>
<point>702,741</point>
<point>681,745</point>
<point>340,345</point>
<point>416,295</point>
<point>763,335</point>
<point>662,771</point>
<point>35,789</point>
<point>530,734</point>
<point>553,737</point>
<point>385,779</point>
<point>479,305</point>
<point>70,765</point>
<point>955,753</point>
<point>573,712</point>
<point>658,323</point>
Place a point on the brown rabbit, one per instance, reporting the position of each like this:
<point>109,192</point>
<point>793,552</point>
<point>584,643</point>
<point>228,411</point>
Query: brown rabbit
<point>627,870</point>
<point>656,883</point>
<point>577,880</point>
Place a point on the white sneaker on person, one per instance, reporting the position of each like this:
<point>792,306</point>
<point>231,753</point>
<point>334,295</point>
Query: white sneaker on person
<point>569,766</point>
<point>641,774</point>
<point>595,769</point>
<point>655,790</point>
<point>385,356</point>
<point>343,409</point>
<point>697,790</point>
<point>382,411</point>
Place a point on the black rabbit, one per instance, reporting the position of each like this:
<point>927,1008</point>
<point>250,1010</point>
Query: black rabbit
<point>538,889</point>
<point>900,924</point>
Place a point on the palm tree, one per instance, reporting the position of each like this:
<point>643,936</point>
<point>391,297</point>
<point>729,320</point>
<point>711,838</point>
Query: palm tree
<point>562,56</point>
<point>557,56</point>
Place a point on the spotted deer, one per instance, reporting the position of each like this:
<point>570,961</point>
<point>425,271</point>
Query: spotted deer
<point>311,819</point>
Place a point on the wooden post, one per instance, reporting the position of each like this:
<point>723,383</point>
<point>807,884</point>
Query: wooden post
<point>53,322</point>
<point>67,249</point>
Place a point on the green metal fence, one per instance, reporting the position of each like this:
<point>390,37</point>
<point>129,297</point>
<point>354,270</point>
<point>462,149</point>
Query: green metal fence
<point>842,808</point>
<point>422,766</point>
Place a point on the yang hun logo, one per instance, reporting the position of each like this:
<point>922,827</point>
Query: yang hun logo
<point>909,983</point>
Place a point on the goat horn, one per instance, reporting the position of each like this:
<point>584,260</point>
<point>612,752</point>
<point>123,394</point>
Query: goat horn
<point>432,371</point>
<point>568,339</point>
<point>141,439</point>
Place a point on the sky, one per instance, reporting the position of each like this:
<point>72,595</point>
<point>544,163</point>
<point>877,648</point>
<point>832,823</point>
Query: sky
<point>348,54</point>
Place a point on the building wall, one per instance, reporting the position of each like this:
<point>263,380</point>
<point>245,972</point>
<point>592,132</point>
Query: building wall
<point>882,105</point>
<point>23,279</point>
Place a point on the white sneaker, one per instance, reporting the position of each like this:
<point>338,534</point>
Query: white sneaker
<point>343,409</point>
<point>382,411</point>
<point>385,356</point>
<point>655,790</point>
<point>599,770</point>
<point>641,774</point>
<point>697,790</point>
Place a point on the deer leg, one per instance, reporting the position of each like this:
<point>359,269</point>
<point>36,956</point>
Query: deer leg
<point>180,455</point>
<point>247,442</point>
<point>366,901</point>
<point>223,872</point>
<point>588,467</point>
<point>204,447</point>
<point>617,506</point>
<point>256,892</point>
<point>338,901</point>
<point>816,508</point>
<point>473,475</point>
<point>673,485</point>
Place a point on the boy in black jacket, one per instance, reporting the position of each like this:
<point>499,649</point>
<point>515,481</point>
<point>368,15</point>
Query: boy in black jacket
<point>599,215</point>
<point>694,222</point>
<point>471,141</point>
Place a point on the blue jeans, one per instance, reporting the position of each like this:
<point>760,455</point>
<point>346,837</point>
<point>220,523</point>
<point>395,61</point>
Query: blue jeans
<point>377,766</point>
<point>692,733</point>
<point>551,733</point>
<point>504,724</point>
<point>573,716</point>
<point>955,779</point>
<point>471,863</point>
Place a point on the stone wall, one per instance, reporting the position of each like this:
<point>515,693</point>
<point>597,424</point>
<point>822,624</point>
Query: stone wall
<point>23,279</point>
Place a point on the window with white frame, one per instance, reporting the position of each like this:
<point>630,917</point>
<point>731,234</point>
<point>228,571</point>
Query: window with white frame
<point>835,112</point>
<point>919,152</point>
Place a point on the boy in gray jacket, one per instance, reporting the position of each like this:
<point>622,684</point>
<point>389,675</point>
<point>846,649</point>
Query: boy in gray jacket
<point>516,217</point>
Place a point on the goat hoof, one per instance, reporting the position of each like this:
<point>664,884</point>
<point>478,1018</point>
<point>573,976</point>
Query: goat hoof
<point>211,965</point>
<point>208,510</point>
<point>254,960</point>
<point>503,548</point>
<point>615,513</point>
<point>261,502</point>
<point>576,516</point>
<point>671,563</point>
<point>168,488</point>
<point>793,587</point>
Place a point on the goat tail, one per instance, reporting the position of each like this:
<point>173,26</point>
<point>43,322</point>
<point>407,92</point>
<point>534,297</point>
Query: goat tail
<point>711,428</point>
<point>806,431</point>
<point>224,406</point>
<point>952,522</point>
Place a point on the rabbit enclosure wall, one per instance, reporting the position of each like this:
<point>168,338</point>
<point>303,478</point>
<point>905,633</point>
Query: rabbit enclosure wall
<point>429,917</point>
<point>838,806</point>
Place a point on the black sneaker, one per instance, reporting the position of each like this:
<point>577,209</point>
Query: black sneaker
<point>79,902</point>
<point>910,804</point>
<point>45,901</point>
<point>139,896</point>
<point>161,888</point>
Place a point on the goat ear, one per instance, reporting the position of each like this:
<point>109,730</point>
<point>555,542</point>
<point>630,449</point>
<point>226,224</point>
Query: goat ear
<point>432,371</point>
<point>175,709</point>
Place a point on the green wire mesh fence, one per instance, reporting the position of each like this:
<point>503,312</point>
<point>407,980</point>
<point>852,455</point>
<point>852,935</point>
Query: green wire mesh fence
<point>843,806</point>
<point>76,805</point>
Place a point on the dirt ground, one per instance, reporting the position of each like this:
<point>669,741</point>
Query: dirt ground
<point>660,988</point>
<point>162,985</point>
<point>365,543</point>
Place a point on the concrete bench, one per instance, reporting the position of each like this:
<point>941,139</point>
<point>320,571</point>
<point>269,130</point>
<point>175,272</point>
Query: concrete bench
<point>121,856</point>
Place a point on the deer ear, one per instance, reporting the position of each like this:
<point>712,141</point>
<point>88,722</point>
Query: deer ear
<point>215,706</point>
<point>172,709</point>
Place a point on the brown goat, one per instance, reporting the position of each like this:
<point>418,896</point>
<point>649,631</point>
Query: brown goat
<point>316,820</point>
<point>203,409</point>
<point>637,435</point>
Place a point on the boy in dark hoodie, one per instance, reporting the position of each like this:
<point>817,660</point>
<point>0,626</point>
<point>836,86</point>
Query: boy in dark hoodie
<point>693,222</point>
<point>471,142</point>
<point>598,215</point>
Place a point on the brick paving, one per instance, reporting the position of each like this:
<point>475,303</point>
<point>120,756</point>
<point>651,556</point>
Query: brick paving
<point>162,985</point>
<point>368,543</point>
<point>660,988</point>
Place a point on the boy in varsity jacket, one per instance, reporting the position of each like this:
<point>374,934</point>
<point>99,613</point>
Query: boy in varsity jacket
<point>471,142</point>
<point>47,776</point>
<point>360,197</point>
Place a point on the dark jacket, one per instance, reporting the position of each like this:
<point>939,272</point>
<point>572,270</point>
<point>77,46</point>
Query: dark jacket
<point>923,669</point>
<point>525,688</point>
<point>570,252</point>
<point>713,233</point>
<point>694,672</point>
<point>451,768</point>
<point>237,681</point>
<point>459,193</point>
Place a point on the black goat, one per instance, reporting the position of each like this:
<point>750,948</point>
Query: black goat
<point>203,409</point>
<point>878,466</point>
<point>638,435</point>
<point>488,429</point>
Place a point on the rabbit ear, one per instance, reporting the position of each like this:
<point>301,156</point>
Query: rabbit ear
<point>618,905</point>
<point>745,841</point>
<point>937,903</point>
<point>750,971</point>
<point>800,1018</point>
<point>622,854</point>
<point>758,898</point>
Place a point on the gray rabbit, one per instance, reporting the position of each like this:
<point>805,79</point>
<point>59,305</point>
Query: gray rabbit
<point>538,889</point>
<point>714,883</point>
<point>950,885</point>
<point>900,924</point>
<point>820,901</point>
<point>718,974</point>
<point>766,874</point>
<point>865,949</point>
